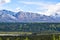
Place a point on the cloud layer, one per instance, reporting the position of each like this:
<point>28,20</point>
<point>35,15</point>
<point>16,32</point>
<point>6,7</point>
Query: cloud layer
<point>4,1</point>
<point>47,8</point>
<point>18,9</point>
<point>43,7</point>
<point>52,9</point>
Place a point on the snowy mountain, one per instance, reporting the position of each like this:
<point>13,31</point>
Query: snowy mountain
<point>9,16</point>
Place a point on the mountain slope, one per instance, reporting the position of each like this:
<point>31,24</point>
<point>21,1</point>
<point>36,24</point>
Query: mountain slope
<point>9,16</point>
<point>33,17</point>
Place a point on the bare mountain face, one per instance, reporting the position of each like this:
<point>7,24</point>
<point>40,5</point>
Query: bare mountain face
<point>9,16</point>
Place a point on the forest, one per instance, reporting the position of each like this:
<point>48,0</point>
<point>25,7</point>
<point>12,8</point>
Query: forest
<point>29,27</point>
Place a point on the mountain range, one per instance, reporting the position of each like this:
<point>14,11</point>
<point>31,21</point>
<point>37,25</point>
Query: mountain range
<point>9,16</point>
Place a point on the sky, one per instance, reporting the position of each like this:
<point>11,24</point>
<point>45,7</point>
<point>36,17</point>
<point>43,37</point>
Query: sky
<point>47,7</point>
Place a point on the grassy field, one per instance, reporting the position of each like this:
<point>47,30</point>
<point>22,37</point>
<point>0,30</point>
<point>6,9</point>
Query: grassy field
<point>32,37</point>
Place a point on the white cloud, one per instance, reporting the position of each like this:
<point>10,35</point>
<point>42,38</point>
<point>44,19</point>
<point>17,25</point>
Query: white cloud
<point>18,9</point>
<point>33,3</point>
<point>4,1</point>
<point>45,8</point>
<point>52,9</point>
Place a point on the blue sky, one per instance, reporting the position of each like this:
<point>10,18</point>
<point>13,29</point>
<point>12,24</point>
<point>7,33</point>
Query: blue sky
<point>46,7</point>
